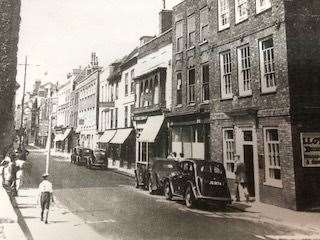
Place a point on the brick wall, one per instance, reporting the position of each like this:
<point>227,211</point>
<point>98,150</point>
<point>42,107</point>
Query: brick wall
<point>9,28</point>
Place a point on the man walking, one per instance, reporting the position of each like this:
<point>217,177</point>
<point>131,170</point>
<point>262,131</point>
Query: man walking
<point>45,196</point>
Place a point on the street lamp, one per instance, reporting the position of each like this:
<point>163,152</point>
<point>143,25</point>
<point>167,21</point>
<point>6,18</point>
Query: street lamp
<point>50,105</point>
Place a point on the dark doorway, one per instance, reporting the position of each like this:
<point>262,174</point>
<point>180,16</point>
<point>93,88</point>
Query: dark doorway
<point>248,161</point>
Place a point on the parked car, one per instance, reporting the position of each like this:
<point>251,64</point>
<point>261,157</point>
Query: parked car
<point>159,171</point>
<point>97,158</point>
<point>199,180</point>
<point>80,155</point>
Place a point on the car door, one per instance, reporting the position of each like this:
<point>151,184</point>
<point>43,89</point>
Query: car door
<point>176,178</point>
<point>188,176</point>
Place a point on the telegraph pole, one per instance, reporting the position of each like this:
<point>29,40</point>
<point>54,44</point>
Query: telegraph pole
<point>22,101</point>
<point>49,135</point>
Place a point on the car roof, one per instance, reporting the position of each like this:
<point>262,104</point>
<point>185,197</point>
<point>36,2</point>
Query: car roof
<point>198,161</point>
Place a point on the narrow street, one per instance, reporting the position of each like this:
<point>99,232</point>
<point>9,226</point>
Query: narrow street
<point>109,203</point>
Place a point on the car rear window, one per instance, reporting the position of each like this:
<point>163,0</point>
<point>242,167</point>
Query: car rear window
<point>211,168</point>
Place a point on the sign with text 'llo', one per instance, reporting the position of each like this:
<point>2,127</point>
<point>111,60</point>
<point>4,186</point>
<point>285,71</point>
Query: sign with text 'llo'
<point>310,149</point>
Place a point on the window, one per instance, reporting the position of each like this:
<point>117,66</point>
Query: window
<point>131,114</point>
<point>205,83</point>
<point>268,80</point>
<point>116,118</point>
<point>126,84</point>
<point>117,91</point>
<point>244,71</point>
<point>126,116</point>
<point>263,5</point>
<point>132,81</point>
<point>179,88</point>
<point>225,68</point>
<point>191,25</point>
<point>191,85</point>
<point>179,36</point>
<point>241,10</point>
<point>111,119</point>
<point>272,157</point>
<point>111,93</point>
<point>204,24</point>
<point>224,15</point>
<point>229,150</point>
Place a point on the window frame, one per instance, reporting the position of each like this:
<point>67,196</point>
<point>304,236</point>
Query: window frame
<point>243,92</point>
<point>191,30</point>
<point>239,18</point>
<point>126,84</point>
<point>221,12</point>
<point>263,80</point>
<point>178,103</point>
<point>204,23</point>
<point>203,84</point>
<point>224,93</point>
<point>132,73</point>
<point>268,180</point>
<point>179,37</point>
<point>191,86</point>
<point>229,174</point>
<point>260,8</point>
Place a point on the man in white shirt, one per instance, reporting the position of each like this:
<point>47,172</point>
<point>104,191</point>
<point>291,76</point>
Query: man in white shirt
<point>45,196</point>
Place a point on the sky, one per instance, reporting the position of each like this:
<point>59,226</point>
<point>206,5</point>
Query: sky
<point>59,35</point>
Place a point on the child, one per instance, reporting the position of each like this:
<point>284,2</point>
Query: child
<point>45,196</point>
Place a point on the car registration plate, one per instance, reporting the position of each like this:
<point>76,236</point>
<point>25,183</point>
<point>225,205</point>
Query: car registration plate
<point>215,183</point>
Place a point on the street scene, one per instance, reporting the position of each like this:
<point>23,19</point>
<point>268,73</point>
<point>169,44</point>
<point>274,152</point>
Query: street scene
<point>164,119</point>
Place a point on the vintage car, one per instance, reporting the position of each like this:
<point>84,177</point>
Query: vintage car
<point>198,180</point>
<point>81,155</point>
<point>97,158</point>
<point>159,171</point>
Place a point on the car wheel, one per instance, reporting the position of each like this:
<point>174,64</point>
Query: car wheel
<point>167,191</point>
<point>150,190</point>
<point>189,198</point>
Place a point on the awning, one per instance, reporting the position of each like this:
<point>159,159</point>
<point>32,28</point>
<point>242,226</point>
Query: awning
<point>107,136</point>
<point>121,136</point>
<point>151,129</point>
<point>62,137</point>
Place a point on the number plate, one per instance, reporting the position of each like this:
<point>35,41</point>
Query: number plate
<point>215,183</point>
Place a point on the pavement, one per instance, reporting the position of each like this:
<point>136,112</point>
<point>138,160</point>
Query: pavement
<point>95,204</point>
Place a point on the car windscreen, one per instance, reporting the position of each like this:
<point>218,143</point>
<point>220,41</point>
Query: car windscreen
<point>165,165</point>
<point>210,169</point>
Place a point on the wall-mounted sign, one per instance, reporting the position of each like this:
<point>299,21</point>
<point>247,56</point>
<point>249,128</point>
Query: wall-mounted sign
<point>310,149</point>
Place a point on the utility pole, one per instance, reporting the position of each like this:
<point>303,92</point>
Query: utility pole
<point>164,4</point>
<point>22,101</point>
<point>49,134</point>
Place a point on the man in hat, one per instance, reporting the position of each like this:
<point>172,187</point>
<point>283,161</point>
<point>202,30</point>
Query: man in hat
<point>45,196</point>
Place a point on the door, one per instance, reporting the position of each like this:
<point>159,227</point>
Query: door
<point>249,168</point>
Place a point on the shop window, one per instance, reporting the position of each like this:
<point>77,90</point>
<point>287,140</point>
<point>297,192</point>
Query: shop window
<point>229,151</point>
<point>191,25</point>
<point>191,85</point>
<point>272,157</point>
<point>176,134</point>
<point>267,65</point>
<point>179,88</point>
<point>263,5</point>
<point>244,71</point>
<point>204,24</point>
<point>205,83</point>
<point>241,10</point>
<point>223,14</point>
<point>179,36</point>
<point>225,68</point>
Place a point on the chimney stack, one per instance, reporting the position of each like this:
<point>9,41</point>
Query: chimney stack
<point>165,22</point>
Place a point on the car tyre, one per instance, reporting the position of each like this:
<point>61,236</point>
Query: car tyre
<point>189,198</point>
<point>167,191</point>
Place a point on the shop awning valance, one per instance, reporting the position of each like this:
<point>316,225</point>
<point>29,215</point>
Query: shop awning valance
<point>62,137</point>
<point>151,129</point>
<point>121,136</point>
<point>107,136</point>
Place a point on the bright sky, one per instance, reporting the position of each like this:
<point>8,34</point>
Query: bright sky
<point>59,35</point>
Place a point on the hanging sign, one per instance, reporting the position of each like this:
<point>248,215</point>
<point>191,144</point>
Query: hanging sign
<point>310,149</point>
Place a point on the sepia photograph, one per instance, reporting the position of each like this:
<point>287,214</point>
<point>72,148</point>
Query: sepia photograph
<point>160,120</point>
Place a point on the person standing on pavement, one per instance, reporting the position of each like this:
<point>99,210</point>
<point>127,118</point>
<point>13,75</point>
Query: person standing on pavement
<point>45,197</point>
<point>241,181</point>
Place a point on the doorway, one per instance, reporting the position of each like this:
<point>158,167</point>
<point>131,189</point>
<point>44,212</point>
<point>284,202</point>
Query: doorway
<point>249,168</point>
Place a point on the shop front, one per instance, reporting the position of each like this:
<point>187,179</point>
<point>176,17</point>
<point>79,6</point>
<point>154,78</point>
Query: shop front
<point>104,141</point>
<point>63,141</point>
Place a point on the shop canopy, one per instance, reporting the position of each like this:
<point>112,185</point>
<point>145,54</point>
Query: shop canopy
<point>151,129</point>
<point>62,137</point>
<point>107,136</point>
<point>121,136</point>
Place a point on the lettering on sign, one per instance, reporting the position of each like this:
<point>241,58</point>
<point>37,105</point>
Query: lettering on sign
<point>310,149</point>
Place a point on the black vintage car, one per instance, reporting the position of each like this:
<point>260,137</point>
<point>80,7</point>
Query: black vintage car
<point>98,158</point>
<point>81,155</point>
<point>199,180</point>
<point>159,171</point>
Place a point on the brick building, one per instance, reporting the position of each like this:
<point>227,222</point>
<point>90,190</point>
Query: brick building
<point>251,66</point>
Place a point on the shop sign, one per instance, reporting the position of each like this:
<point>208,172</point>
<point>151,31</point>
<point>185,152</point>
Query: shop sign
<point>310,149</point>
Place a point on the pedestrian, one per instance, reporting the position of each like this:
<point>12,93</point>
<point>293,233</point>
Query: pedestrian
<point>19,174</point>
<point>181,158</point>
<point>45,197</point>
<point>241,182</point>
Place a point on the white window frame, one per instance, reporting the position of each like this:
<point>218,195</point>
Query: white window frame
<point>224,93</point>
<point>229,174</point>
<point>179,37</point>
<point>204,24</point>
<point>271,181</point>
<point>223,11</point>
<point>262,7</point>
<point>238,5</point>
<point>191,27</point>
<point>264,87</point>
<point>244,66</point>
<point>191,86</point>
<point>205,84</point>
<point>179,87</point>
